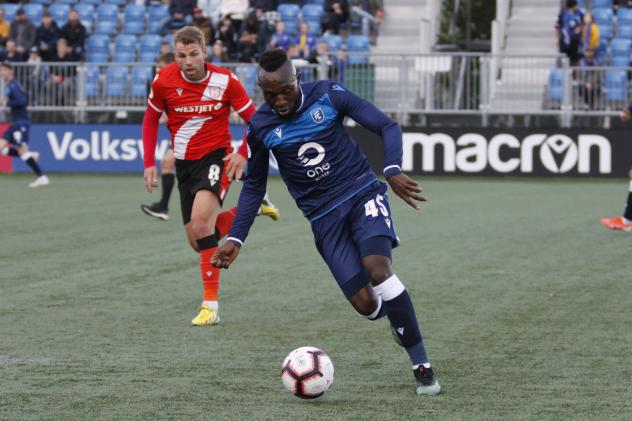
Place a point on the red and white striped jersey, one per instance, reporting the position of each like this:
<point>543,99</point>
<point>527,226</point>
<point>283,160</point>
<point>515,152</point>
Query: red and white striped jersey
<point>198,111</point>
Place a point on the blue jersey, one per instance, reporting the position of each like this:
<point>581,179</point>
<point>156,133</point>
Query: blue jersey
<point>17,100</point>
<point>319,162</point>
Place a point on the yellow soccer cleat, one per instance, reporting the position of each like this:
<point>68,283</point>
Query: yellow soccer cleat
<point>267,208</point>
<point>206,317</point>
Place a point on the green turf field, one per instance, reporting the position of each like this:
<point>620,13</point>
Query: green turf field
<point>525,303</point>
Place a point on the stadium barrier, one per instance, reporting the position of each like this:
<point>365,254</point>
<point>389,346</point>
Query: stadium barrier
<point>402,85</point>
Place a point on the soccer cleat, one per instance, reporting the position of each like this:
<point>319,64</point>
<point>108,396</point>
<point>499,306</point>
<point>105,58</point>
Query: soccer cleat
<point>617,223</point>
<point>267,208</point>
<point>426,382</point>
<point>156,211</point>
<point>40,181</point>
<point>206,317</point>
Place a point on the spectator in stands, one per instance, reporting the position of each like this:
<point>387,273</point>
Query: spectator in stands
<point>75,34</point>
<point>338,65</point>
<point>211,9</point>
<point>165,48</point>
<point>22,31</point>
<point>249,40</point>
<point>279,39</point>
<point>295,54</point>
<point>205,25</point>
<point>36,75</point>
<point>590,33</point>
<point>61,84</point>
<point>175,23</point>
<point>227,35</point>
<point>236,9</point>
<point>568,30</point>
<point>306,43</point>
<point>183,7</point>
<point>46,37</point>
<point>11,53</point>
<point>4,30</point>
<point>262,6</point>
<point>336,14</point>
<point>588,80</point>
<point>218,53</point>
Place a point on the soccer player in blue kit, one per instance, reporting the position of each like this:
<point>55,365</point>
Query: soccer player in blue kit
<point>15,140</point>
<point>332,183</point>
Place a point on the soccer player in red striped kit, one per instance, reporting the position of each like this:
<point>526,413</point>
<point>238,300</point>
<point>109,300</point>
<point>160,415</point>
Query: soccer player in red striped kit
<point>197,97</point>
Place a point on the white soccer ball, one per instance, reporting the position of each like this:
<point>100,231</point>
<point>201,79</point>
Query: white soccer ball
<point>307,372</point>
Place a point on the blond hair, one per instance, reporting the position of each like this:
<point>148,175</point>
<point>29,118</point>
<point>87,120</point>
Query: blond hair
<point>189,35</point>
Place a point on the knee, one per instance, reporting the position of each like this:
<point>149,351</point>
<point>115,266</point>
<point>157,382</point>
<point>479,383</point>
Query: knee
<point>199,227</point>
<point>378,273</point>
<point>166,166</point>
<point>366,306</point>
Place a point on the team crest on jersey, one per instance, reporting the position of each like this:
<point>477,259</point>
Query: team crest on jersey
<point>179,91</point>
<point>318,116</point>
<point>212,93</point>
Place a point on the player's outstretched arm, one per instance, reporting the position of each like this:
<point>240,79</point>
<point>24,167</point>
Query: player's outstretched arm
<point>225,255</point>
<point>406,188</point>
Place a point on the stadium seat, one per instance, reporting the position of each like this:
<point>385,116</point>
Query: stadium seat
<point>59,12</point>
<point>134,19</point>
<point>140,76</point>
<point>9,11</point>
<point>602,4</point>
<point>149,47</point>
<point>556,85</point>
<point>616,85</point>
<point>334,41</point>
<point>157,16</point>
<point>602,51</point>
<point>358,44</point>
<point>317,2</point>
<point>92,80</point>
<point>116,2</point>
<point>86,15</point>
<point>42,2</point>
<point>105,27</point>
<point>624,16</point>
<point>107,12</point>
<point>125,48</point>
<point>169,39</point>
<point>605,30</point>
<point>116,81</point>
<point>603,16</point>
<point>68,2</point>
<point>92,2</point>
<point>289,12</point>
<point>312,11</point>
<point>620,61</point>
<point>34,12</point>
<point>624,30</point>
<point>620,47</point>
<point>98,48</point>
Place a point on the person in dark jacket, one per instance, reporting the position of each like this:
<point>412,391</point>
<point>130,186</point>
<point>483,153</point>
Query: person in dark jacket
<point>75,34</point>
<point>46,37</point>
<point>336,13</point>
<point>22,31</point>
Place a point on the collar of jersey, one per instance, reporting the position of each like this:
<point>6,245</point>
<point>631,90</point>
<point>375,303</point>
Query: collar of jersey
<point>208,74</point>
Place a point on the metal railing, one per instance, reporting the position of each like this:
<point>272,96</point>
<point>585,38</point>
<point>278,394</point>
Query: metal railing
<point>402,85</point>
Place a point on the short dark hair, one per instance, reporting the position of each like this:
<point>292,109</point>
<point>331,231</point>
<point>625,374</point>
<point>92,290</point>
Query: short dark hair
<point>571,3</point>
<point>166,58</point>
<point>7,65</point>
<point>272,59</point>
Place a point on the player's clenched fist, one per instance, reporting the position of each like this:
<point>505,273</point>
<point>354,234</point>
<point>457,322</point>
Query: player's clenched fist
<point>225,255</point>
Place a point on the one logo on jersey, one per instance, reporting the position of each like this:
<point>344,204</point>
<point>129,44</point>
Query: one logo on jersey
<point>318,116</point>
<point>337,87</point>
<point>388,222</point>
<point>212,93</point>
<point>213,174</point>
<point>400,330</point>
<point>179,91</point>
<point>279,132</point>
<point>309,159</point>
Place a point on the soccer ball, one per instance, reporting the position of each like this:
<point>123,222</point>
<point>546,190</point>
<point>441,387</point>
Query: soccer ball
<point>307,372</point>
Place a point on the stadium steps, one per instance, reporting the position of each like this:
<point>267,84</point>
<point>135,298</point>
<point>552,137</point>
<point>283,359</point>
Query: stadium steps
<point>399,32</point>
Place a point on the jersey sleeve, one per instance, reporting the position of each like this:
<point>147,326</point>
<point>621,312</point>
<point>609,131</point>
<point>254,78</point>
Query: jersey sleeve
<point>368,116</point>
<point>156,99</point>
<point>253,190</point>
<point>17,96</point>
<point>239,99</point>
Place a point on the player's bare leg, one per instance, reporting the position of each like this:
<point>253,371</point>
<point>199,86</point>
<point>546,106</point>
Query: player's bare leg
<point>387,296</point>
<point>201,234</point>
<point>622,222</point>
<point>160,209</point>
<point>29,158</point>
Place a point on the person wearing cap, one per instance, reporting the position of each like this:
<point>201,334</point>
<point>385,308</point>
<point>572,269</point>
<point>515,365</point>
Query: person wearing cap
<point>22,31</point>
<point>46,37</point>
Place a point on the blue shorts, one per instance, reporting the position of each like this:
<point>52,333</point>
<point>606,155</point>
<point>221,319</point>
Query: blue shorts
<point>17,133</point>
<point>361,226</point>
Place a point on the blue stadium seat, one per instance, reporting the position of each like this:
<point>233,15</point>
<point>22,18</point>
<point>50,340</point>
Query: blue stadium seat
<point>289,12</point>
<point>312,11</point>
<point>556,85</point>
<point>620,61</point>
<point>116,2</point>
<point>318,2</point>
<point>149,46</point>
<point>602,51</point>
<point>603,16</point>
<point>620,47</point>
<point>140,76</point>
<point>624,30</point>
<point>334,41</point>
<point>9,11</point>
<point>134,19</point>
<point>616,85</point>
<point>358,44</point>
<point>98,48</point>
<point>86,15</point>
<point>291,27</point>
<point>169,39</point>
<point>68,2</point>
<point>59,12</point>
<point>605,30</point>
<point>92,2</point>
<point>602,4</point>
<point>42,2</point>
<point>116,81</point>
<point>107,12</point>
<point>105,27</point>
<point>156,18</point>
<point>125,48</point>
<point>92,81</point>
<point>624,16</point>
<point>34,13</point>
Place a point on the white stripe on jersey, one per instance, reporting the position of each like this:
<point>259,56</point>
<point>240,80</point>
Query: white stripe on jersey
<point>244,107</point>
<point>153,106</point>
<point>185,133</point>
